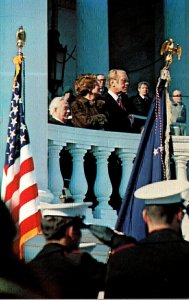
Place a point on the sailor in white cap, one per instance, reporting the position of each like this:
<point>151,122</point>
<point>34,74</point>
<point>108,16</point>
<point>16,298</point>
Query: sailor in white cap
<point>155,266</point>
<point>62,270</point>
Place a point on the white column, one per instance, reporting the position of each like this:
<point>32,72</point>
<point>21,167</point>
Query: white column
<point>55,178</point>
<point>176,24</point>
<point>92,36</point>
<point>78,183</point>
<point>181,167</point>
<point>103,187</point>
<point>181,172</point>
<point>127,164</point>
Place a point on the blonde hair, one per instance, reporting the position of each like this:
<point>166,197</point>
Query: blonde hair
<point>113,75</point>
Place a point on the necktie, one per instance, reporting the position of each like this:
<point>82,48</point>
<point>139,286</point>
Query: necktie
<point>119,100</point>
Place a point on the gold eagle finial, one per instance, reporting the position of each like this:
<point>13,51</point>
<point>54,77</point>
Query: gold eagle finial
<point>169,47</point>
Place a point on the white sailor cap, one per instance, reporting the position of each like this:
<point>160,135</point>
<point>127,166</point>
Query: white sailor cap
<point>76,209</point>
<point>163,192</point>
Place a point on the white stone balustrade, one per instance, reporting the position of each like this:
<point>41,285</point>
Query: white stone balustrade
<point>101,144</point>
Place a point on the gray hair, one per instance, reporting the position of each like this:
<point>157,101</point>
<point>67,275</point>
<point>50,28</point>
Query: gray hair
<point>55,103</point>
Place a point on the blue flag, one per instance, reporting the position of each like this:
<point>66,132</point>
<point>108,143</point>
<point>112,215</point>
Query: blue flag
<point>150,164</point>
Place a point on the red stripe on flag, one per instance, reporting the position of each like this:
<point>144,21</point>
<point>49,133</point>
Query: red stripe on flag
<point>30,223</point>
<point>6,169</point>
<point>28,194</point>
<point>12,187</point>
<point>26,166</point>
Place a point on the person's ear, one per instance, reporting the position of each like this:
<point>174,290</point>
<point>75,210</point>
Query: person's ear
<point>70,231</point>
<point>179,216</point>
<point>144,215</point>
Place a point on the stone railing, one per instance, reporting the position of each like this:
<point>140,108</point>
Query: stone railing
<point>101,144</point>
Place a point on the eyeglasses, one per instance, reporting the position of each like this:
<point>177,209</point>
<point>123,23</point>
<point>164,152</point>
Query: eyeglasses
<point>177,95</point>
<point>101,79</point>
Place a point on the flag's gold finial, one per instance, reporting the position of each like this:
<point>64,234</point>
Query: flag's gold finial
<point>20,38</point>
<point>169,47</point>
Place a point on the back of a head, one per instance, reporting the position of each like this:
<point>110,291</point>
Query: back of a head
<point>84,84</point>
<point>54,227</point>
<point>162,200</point>
<point>162,214</point>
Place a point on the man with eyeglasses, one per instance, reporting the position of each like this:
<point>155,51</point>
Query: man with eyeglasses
<point>102,83</point>
<point>178,114</point>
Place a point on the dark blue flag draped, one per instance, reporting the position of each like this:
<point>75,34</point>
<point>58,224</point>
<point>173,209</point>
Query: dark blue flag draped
<point>151,163</point>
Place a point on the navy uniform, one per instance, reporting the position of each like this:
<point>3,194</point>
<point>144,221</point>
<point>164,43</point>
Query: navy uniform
<point>155,266</point>
<point>63,271</point>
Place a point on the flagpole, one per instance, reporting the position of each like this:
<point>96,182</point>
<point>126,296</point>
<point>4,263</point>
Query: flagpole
<point>20,42</point>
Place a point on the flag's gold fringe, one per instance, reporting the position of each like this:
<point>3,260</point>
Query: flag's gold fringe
<point>17,60</point>
<point>167,135</point>
<point>26,237</point>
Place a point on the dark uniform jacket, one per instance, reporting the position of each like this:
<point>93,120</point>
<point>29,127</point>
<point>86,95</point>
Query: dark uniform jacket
<point>68,275</point>
<point>117,117</point>
<point>154,268</point>
<point>88,114</point>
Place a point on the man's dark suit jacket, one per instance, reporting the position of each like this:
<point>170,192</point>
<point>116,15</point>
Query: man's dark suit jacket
<point>117,117</point>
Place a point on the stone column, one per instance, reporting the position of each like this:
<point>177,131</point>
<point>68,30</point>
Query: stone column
<point>92,36</point>
<point>127,164</point>
<point>103,187</point>
<point>78,183</point>
<point>176,24</point>
<point>55,178</point>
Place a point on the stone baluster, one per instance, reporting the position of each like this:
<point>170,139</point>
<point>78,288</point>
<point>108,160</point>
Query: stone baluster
<point>181,171</point>
<point>103,187</point>
<point>127,164</point>
<point>55,178</point>
<point>181,166</point>
<point>78,183</point>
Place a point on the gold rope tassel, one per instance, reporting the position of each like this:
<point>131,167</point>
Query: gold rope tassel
<point>17,60</point>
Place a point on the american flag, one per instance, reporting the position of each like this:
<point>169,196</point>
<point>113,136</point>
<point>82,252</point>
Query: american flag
<point>19,188</point>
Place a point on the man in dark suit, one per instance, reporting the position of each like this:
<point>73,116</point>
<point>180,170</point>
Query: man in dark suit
<point>140,106</point>
<point>102,83</point>
<point>153,267</point>
<point>117,109</point>
<point>117,105</point>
